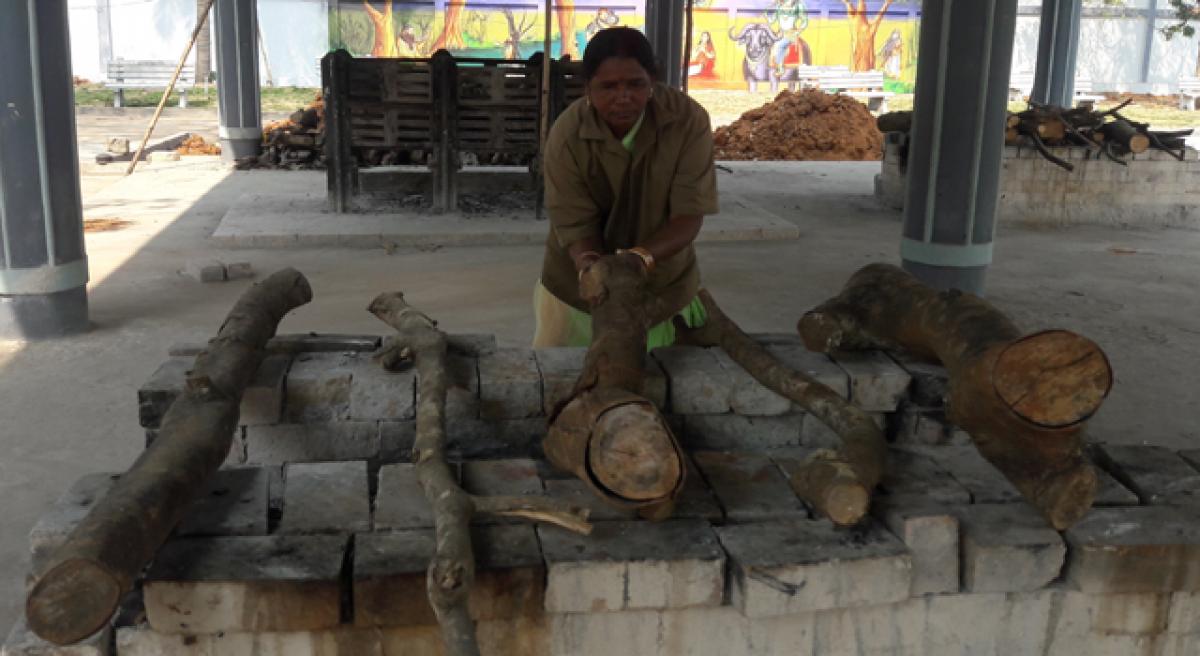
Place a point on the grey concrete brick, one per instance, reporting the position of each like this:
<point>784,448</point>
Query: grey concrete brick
<point>282,443</point>
<point>205,585</point>
<point>655,386</point>
<point>157,394</point>
<point>468,439</point>
<point>22,641</point>
<point>237,446</point>
<point>698,384</point>
<point>877,383</point>
<point>462,392</point>
<point>1110,492</point>
<point>1137,549</point>
<point>399,501</point>
<point>53,527</point>
<point>378,394</point>
<point>472,344</point>
<point>1156,474</point>
<point>1184,614</point>
<point>560,369</point>
<point>575,491</point>
<point>1129,614</point>
<point>510,385</point>
<point>930,382</point>
<point>697,500</point>
<point>985,483</point>
<point>910,477</point>
<point>748,396</point>
<point>630,565</point>
<point>749,486</point>
<point>239,271</point>
<point>817,366</point>
<point>517,477</point>
<point>318,387</point>
<point>925,426</point>
<point>815,434</point>
<point>396,439</point>
<point>205,270</point>
<point>741,433</point>
<point>262,402</point>
<point>323,343</point>
<point>800,566</point>
<point>931,533</point>
<point>390,571</point>
<point>185,349</point>
<point>777,339</point>
<point>235,503</point>
<point>337,641</point>
<point>325,497</point>
<point>1008,548</point>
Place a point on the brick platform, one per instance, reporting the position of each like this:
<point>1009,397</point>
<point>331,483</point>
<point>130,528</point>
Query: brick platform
<point>315,536</point>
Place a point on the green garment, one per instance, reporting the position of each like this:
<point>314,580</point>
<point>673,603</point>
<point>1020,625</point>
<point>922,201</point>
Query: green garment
<point>627,140</point>
<point>663,334</point>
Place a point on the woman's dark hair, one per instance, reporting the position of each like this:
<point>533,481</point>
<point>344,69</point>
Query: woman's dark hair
<point>618,42</point>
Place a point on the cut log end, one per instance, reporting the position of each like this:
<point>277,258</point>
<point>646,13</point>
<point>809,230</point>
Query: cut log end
<point>632,455</point>
<point>1054,379</point>
<point>1070,495</point>
<point>846,503</point>
<point>72,601</point>
<point>832,488</point>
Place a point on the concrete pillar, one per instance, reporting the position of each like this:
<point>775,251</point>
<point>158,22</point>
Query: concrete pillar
<point>665,28</point>
<point>43,266</point>
<point>957,141</point>
<point>1058,43</point>
<point>240,107</point>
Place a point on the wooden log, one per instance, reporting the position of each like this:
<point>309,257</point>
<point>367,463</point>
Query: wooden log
<point>1024,399</point>
<point>837,483</point>
<point>78,590</point>
<point>606,432</point>
<point>894,122</point>
<point>1126,136</point>
<point>1012,137</point>
<point>1012,121</point>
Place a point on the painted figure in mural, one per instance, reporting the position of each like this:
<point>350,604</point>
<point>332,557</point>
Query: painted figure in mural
<point>629,171</point>
<point>756,39</point>
<point>605,18</point>
<point>408,44</point>
<point>890,55</point>
<point>788,19</point>
<point>798,54</point>
<point>704,58</point>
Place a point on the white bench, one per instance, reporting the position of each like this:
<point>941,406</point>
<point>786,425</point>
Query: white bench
<point>866,85</point>
<point>1020,87</point>
<point>1189,92</point>
<point>141,74</point>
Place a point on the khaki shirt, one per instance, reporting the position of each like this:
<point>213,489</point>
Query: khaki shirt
<point>596,188</point>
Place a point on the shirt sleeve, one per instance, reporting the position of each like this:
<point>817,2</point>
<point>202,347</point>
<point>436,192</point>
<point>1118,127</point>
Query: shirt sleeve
<point>573,213</point>
<point>694,188</point>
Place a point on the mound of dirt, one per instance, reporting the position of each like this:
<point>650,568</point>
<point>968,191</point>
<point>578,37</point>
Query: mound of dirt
<point>196,145</point>
<point>802,125</point>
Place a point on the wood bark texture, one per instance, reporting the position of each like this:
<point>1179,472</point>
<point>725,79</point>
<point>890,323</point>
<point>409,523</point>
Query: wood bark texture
<point>1024,399</point>
<point>837,483</point>
<point>79,589</point>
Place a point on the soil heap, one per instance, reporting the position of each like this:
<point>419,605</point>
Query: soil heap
<point>802,125</point>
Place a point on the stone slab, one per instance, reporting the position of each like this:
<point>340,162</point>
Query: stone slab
<point>633,565</point>
<point>269,583</point>
<point>735,432</point>
<point>510,385</point>
<point>1137,549</point>
<point>399,501</point>
<point>1008,548</point>
<point>22,641</point>
<point>799,566</point>
<point>1156,474</point>
<point>396,440</point>
<point>931,533</point>
<point>378,394</point>
<point>262,402</point>
<point>877,383</point>
<point>318,387</point>
<point>157,394</point>
<point>747,396</point>
<point>698,383</point>
<point>985,483</point>
<point>911,477</point>
<point>390,570</point>
<point>325,497</point>
<point>235,503</point>
<point>749,487</point>
<point>283,443</point>
<point>53,527</point>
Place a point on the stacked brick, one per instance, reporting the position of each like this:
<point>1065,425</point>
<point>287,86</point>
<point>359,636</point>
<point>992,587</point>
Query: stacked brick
<point>310,553</point>
<point>1154,189</point>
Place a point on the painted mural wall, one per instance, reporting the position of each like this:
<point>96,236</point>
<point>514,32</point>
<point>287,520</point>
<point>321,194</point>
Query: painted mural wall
<point>734,41</point>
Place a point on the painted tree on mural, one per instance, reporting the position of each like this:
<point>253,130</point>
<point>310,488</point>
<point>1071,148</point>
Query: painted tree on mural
<point>566,28</point>
<point>863,29</point>
<point>451,37</point>
<point>385,29</point>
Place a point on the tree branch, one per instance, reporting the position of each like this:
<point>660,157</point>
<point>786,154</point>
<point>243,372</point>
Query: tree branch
<point>879,18</point>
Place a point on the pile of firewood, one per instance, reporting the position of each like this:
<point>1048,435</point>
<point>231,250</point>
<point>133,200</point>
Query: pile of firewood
<point>1109,133</point>
<point>297,141</point>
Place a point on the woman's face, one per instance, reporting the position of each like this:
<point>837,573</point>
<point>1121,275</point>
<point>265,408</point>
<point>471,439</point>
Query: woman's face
<point>619,91</point>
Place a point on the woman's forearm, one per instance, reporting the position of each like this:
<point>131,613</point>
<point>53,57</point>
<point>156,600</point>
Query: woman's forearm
<point>676,235</point>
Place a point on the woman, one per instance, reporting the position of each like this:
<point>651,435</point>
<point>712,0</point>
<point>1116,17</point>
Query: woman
<point>629,167</point>
<point>704,59</point>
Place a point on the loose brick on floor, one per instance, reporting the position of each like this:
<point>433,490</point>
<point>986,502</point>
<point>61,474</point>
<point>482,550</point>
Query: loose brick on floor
<point>1135,549</point>
<point>632,565</point>
<point>399,501</point>
<point>817,366</point>
<point>930,382</point>
<point>799,566</point>
<point>262,402</point>
<point>877,383</point>
<point>749,486</point>
<point>235,502</point>
<point>53,527</point>
<point>318,387</point>
<point>157,394</point>
<point>379,394</point>
<point>390,570</point>
<point>911,477</point>
<point>698,384</point>
<point>747,396</point>
<point>733,432</point>
<point>1156,474</point>
<point>325,497</point>
<point>931,533</point>
<point>510,385</point>
<point>22,641</point>
<point>206,585</point>
<point>1008,548</point>
<point>985,483</point>
<point>320,442</point>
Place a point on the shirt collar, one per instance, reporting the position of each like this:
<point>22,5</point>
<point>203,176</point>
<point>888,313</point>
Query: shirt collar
<point>657,114</point>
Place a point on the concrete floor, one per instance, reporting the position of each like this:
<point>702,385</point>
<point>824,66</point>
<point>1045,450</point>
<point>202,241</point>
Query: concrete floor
<point>69,406</point>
